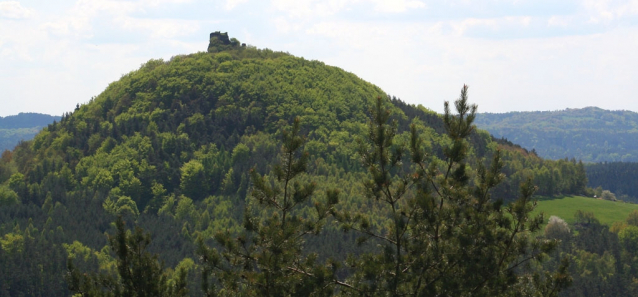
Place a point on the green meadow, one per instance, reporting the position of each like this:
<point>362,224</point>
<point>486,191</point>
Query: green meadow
<point>607,212</point>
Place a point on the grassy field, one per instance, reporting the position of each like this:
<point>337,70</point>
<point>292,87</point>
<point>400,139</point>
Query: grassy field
<point>607,212</point>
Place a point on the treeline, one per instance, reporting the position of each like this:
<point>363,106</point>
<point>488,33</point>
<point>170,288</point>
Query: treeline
<point>170,147</point>
<point>618,177</point>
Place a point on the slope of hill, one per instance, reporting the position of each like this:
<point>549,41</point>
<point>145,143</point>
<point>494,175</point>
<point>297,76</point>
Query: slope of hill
<point>23,126</point>
<point>590,134</point>
<point>170,146</point>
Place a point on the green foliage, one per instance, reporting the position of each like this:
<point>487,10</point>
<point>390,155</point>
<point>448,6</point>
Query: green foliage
<point>629,238</point>
<point>607,195</point>
<point>445,235</point>
<point>267,259</point>
<point>171,146</point>
<point>193,181</point>
<point>122,206</point>
<point>12,243</point>
<point>140,273</point>
<point>557,228</point>
<point>632,219</point>
<point>8,197</point>
<point>601,261</point>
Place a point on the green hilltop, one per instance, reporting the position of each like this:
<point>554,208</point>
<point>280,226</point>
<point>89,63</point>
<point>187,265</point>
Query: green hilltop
<point>170,145</point>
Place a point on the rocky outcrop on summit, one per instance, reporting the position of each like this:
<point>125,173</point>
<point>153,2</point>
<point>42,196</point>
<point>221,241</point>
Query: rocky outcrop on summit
<point>222,37</point>
<point>220,42</point>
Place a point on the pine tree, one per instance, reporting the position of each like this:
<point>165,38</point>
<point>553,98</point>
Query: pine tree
<point>447,237</point>
<point>267,259</point>
<point>443,235</point>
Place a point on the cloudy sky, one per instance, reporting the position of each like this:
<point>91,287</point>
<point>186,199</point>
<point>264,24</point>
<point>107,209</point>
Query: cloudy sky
<point>514,54</point>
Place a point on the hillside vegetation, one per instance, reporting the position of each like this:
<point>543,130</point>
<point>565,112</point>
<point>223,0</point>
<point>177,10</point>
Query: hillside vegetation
<point>589,134</point>
<point>180,147</point>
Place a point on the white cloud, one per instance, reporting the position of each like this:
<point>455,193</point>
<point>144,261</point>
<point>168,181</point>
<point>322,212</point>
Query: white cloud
<point>230,4</point>
<point>423,64</point>
<point>319,8</point>
<point>629,9</point>
<point>609,10</point>
<point>494,24</point>
<point>464,25</point>
<point>559,21</point>
<point>311,8</point>
<point>158,28</point>
<point>284,26</point>
<point>13,10</point>
<point>295,8</point>
<point>160,2</point>
<point>394,6</point>
<point>78,20</point>
<point>90,43</point>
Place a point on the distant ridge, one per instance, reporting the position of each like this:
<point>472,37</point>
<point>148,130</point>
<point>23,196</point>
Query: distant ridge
<point>23,126</point>
<point>590,134</point>
<point>27,120</point>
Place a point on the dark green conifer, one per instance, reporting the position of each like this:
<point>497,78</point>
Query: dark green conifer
<point>140,273</point>
<point>447,237</point>
<point>267,259</point>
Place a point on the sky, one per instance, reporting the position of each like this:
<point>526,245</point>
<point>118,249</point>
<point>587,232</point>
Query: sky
<point>515,55</point>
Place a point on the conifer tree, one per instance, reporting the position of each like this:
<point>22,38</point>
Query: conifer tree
<point>446,236</point>
<point>267,259</point>
<point>140,273</point>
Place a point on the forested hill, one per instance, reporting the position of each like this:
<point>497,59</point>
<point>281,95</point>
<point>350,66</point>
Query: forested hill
<point>170,147</point>
<point>589,134</point>
<point>27,120</point>
<point>23,126</point>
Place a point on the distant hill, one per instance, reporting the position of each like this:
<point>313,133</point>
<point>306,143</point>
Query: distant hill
<point>590,134</point>
<point>27,120</point>
<point>23,126</point>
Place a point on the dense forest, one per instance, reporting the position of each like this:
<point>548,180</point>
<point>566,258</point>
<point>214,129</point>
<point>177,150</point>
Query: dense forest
<point>617,177</point>
<point>243,169</point>
<point>23,126</point>
<point>603,259</point>
<point>589,134</point>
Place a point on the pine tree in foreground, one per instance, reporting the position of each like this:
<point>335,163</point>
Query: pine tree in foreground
<point>446,236</point>
<point>443,234</point>
<point>267,259</point>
